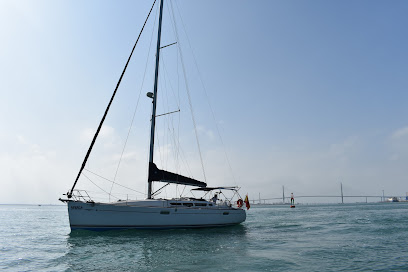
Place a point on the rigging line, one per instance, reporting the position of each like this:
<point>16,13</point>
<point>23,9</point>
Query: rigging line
<point>165,103</point>
<point>156,132</point>
<point>99,193</point>
<point>93,192</point>
<point>167,113</point>
<point>206,94</point>
<point>179,116</point>
<point>168,45</point>
<point>114,182</point>
<point>182,192</point>
<point>170,121</point>
<point>98,186</point>
<point>169,81</point>
<point>163,142</point>
<point>157,191</point>
<point>169,14</point>
<point>189,99</point>
<point>172,24</point>
<point>137,105</point>
<point>177,153</point>
<point>158,147</point>
<point>181,157</point>
<point>166,145</point>
<point>184,160</point>
<point>172,142</point>
<point>176,144</point>
<point>69,194</point>
<point>176,150</point>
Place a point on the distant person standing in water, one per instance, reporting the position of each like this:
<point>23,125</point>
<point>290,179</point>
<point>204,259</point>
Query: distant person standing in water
<point>292,199</point>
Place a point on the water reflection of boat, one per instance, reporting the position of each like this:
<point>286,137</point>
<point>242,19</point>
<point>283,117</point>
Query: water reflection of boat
<point>148,250</point>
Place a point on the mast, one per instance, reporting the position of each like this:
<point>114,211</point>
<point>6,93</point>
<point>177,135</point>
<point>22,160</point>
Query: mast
<point>156,78</point>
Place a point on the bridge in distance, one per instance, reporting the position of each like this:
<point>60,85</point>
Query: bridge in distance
<point>285,199</point>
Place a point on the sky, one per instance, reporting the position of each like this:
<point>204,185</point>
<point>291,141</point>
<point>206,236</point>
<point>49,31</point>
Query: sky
<point>304,94</point>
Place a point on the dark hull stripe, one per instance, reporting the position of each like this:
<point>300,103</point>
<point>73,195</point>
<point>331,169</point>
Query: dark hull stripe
<point>117,227</point>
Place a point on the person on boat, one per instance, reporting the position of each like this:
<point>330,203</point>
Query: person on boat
<point>215,198</point>
<point>292,199</point>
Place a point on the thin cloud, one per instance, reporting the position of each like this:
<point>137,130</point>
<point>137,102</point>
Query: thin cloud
<point>33,174</point>
<point>206,132</point>
<point>400,133</point>
<point>338,149</point>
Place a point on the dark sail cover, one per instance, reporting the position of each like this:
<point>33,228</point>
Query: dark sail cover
<point>155,174</point>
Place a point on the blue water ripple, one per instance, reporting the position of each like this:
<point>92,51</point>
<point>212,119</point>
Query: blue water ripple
<point>350,237</point>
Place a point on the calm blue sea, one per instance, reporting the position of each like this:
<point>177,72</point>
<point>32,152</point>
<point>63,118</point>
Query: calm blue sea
<point>349,237</point>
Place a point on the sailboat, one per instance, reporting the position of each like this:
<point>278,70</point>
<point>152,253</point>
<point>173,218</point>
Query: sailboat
<point>153,213</point>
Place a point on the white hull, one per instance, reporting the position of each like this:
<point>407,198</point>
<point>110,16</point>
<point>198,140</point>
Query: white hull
<point>151,214</point>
